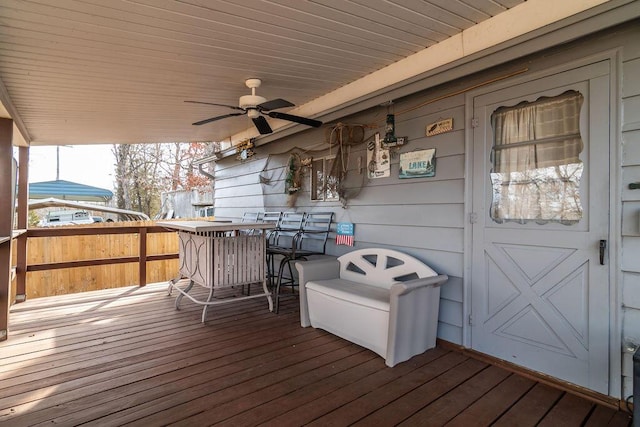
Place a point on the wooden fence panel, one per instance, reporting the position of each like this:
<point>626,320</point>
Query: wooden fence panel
<point>44,250</point>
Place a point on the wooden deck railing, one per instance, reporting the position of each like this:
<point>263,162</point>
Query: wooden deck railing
<point>61,254</point>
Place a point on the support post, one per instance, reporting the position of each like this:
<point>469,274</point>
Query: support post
<point>142,274</point>
<point>6,211</point>
<point>22,224</point>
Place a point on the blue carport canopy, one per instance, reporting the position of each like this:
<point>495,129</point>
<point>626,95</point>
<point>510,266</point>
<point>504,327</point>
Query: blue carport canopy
<point>68,190</point>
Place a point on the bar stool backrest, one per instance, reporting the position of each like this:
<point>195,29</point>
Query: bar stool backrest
<point>290,224</point>
<point>251,217</point>
<point>272,217</point>
<point>315,232</point>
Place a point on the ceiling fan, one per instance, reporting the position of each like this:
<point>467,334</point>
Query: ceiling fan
<point>255,106</point>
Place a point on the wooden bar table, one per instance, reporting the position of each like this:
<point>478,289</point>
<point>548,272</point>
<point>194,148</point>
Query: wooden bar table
<point>220,255</point>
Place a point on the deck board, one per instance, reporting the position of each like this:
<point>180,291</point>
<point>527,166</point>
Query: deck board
<point>409,403</point>
<point>380,379</point>
<point>532,407</point>
<point>494,402</point>
<point>127,357</point>
<point>458,399</point>
<point>601,416</point>
<point>569,411</point>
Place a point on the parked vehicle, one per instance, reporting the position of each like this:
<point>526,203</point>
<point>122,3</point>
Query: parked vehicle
<point>66,217</point>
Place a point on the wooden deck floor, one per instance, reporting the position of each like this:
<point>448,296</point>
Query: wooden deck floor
<point>126,356</point>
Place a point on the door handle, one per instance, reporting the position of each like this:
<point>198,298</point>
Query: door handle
<point>603,246</point>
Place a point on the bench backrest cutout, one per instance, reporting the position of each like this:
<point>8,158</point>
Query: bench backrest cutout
<point>381,267</point>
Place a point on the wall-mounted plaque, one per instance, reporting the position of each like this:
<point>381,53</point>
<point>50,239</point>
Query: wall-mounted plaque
<point>441,126</point>
<point>418,164</point>
<point>378,159</point>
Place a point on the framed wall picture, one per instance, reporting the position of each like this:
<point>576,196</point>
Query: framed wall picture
<point>418,164</point>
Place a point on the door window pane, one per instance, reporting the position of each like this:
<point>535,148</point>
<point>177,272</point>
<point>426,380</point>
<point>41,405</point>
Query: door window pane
<point>536,161</point>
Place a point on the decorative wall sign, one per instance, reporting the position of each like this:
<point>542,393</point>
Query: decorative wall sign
<point>418,164</point>
<point>378,159</point>
<point>441,126</point>
<point>345,233</point>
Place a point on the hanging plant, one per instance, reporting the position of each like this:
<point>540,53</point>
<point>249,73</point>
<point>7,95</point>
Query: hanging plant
<point>293,179</point>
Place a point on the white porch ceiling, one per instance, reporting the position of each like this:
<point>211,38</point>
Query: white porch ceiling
<point>118,71</point>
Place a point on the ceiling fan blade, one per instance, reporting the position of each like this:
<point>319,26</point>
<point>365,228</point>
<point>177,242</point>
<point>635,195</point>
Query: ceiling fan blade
<point>262,125</point>
<point>219,105</point>
<point>297,119</point>
<point>213,119</point>
<point>274,104</point>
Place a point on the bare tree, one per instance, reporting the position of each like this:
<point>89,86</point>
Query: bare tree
<point>144,171</point>
<point>121,154</point>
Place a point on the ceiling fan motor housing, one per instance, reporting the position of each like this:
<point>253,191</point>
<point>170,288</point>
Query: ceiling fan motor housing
<point>249,102</point>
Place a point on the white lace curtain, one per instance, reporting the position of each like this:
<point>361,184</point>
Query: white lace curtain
<point>536,165</point>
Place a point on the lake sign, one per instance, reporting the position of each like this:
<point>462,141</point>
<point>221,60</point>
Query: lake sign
<point>418,164</point>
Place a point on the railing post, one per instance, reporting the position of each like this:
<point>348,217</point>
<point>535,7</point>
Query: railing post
<point>142,275</point>
<point>23,219</point>
<point>6,212</point>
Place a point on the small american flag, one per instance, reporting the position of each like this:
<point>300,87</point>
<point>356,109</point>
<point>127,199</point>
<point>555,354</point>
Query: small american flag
<point>344,234</point>
<point>344,240</point>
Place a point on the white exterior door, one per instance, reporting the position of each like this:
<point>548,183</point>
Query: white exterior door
<point>539,292</point>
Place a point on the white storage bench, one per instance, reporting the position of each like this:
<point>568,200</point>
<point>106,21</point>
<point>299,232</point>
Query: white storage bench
<point>381,299</point>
